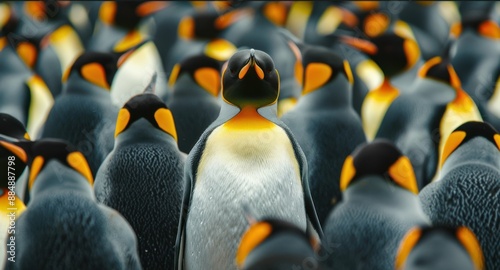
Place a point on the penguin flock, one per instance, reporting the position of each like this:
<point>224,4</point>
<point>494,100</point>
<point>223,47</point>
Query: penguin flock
<point>245,135</point>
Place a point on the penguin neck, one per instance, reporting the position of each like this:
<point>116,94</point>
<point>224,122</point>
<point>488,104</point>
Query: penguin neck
<point>378,190</point>
<point>336,93</point>
<point>477,151</point>
<point>248,118</point>
<point>7,204</point>
<point>387,88</point>
<point>76,85</point>
<point>56,177</point>
<point>142,131</point>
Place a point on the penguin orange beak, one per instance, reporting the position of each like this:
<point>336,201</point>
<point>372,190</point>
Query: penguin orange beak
<point>251,64</point>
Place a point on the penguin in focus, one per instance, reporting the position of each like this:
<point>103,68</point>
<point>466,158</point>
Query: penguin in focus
<point>63,225</point>
<point>142,178</point>
<point>467,190</point>
<point>379,205</point>
<point>195,100</point>
<point>260,29</point>
<point>420,120</point>
<point>246,157</point>
<point>439,247</point>
<point>84,114</point>
<point>272,244</point>
<point>23,94</point>
<point>324,123</point>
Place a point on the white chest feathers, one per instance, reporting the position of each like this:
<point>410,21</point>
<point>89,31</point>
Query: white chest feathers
<point>252,167</point>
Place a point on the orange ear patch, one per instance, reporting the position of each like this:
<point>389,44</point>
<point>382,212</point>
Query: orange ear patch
<point>107,12</point>
<point>165,121</point>
<point>489,29</point>
<point>16,150</point>
<point>347,174</point>
<point>28,53</point>
<point>316,75</point>
<point>402,173</point>
<point>36,167</point>
<point>78,162</point>
<point>454,140</point>
<point>122,121</point>
<point>406,246</point>
<point>95,73</point>
<point>209,79</point>
<point>471,244</point>
<point>276,12</point>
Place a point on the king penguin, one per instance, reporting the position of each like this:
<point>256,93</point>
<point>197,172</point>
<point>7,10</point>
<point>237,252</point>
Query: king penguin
<point>83,114</point>
<point>246,157</point>
<point>324,123</point>
<point>63,225</point>
<point>477,56</point>
<point>273,244</point>
<point>467,190</point>
<point>394,53</point>
<point>142,177</point>
<point>23,94</point>
<point>195,100</point>
<point>420,120</point>
<point>439,247</point>
<point>379,205</point>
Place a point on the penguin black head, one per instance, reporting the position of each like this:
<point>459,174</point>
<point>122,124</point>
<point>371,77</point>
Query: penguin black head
<point>250,79</point>
<point>207,24</point>
<point>98,68</point>
<point>382,158</point>
<point>393,52</point>
<point>264,231</point>
<point>12,128</point>
<point>320,66</point>
<point>128,14</point>
<point>466,132</point>
<point>150,107</point>
<point>14,160</point>
<point>440,69</point>
<point>462,236</point>
<point>45,150</point>
<point>204,70</point>
<point>28,48</point>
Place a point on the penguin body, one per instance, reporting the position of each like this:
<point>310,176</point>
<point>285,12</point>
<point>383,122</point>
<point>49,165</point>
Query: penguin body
<point>76,229</point>
<point>195,101</point>
<point>84,114</point>
<point>278,245</point>
<point>24,94</point>
<point>439,247</point>
<point>466,192</point>
<point>246,157</point>
<point>324,123</point>
<point>142,178</point>
<point>379,205</point>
